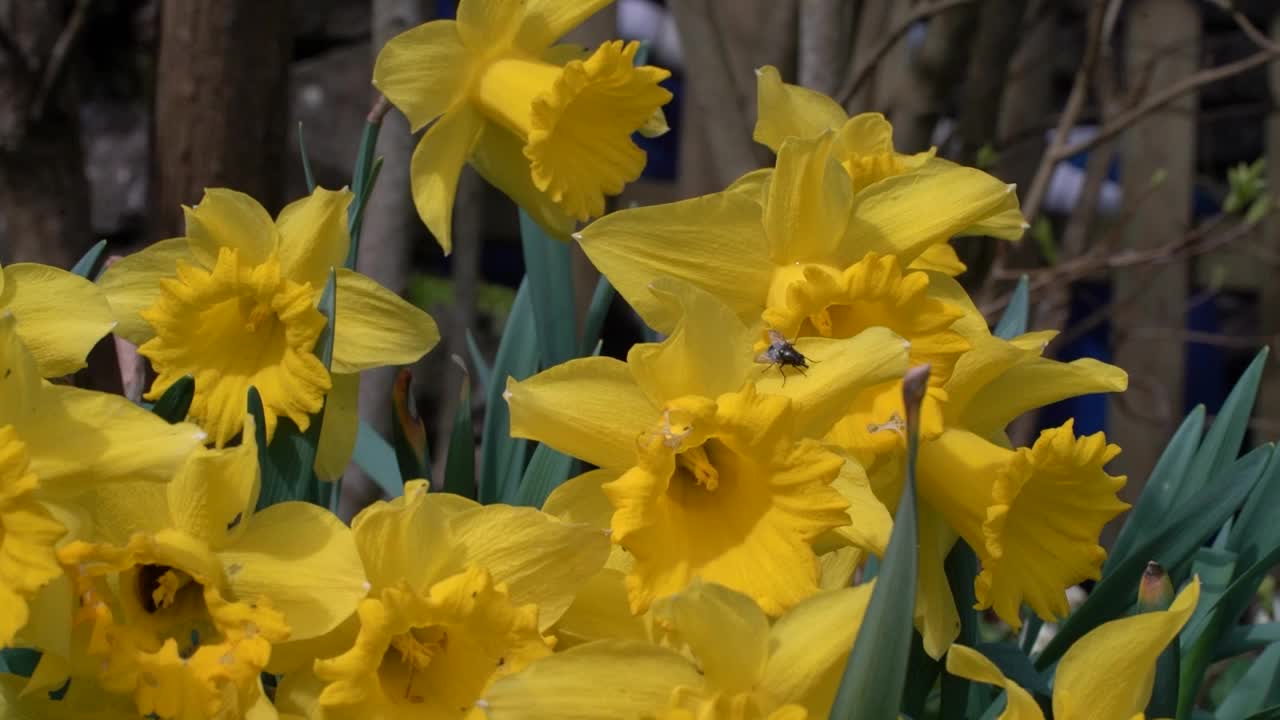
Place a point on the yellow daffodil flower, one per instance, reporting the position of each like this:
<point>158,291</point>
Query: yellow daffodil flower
<point>702,474</point>
<point>233,304</point>
<point>863,145</point>
<point>548,125</point>
<point>719,657</point>
<point>184,589</point>
<point>60,315</point>
<point>56,442</point>
<point>460,594</point>
<point>808,257</point>
<point>79,701</point>
<point>1106,675</point>
<point>1032,515</point>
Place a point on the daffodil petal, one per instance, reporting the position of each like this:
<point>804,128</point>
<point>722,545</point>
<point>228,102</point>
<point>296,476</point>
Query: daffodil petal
<point>435,167</point>
<point>541,559</point>
<point>546,21</point>
<point>941,258</point>
<point>808,645</point>
<point>726,631</point>
<point>1036,384</point>
<point>423,71</point>
<point>609,678</point>
<point>1112,668</point>
<point>600,611</point>
<point>715,242</point>
<point>499,159</point>
<point>886,216</point>
<point>313,236</point>
<point>61,316</point>
<point>969,663</point>
<point>230,219</point>
<point>840,369</point>
<point>488,23</point>
<point>784,110</point>
<point>215,492</point>
<point>83,700</point>
<point>580,499</point>
<point>373,326</point>
<point>708,352</point>
<point>869,521</point>
<point>132,284</point>
<point>589,408</point>
<point>340,427</point>
<point>807,207</point>
<point>304,560</point>
<point>414,520</point>
<point>936,616</point>
<point>114,440</point>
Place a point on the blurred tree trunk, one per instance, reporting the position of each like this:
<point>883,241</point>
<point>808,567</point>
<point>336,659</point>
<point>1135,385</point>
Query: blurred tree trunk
<point>221,104</point>
<point>917,100</point>
<point>723,44</point>
<point>390,225</point>
<point>1269,310</point>
<point>1149,315</point>
<point>44,195</point>
<point>826,32</point>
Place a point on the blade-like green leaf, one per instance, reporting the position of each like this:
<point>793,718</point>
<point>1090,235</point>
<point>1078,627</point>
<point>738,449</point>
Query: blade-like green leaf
<point>1222,443</point>
<point>87,262</point>
<point>19,661</point>
<point>1258,690</point>
<point>375,456</point>
<point>1184,530</point>
<point>501,456</point>
<point>1215,568</point>
<point>306,161</point>
<point>547,470</point>
<point>483,372</point>
<point>875,674</point>
<point>1016,666</point>
<point>1247,638</point>
<point>1271,713</point>
<point>601,299</point>
<point>460,464</point>
<point>550,278</point>
<point>362,179</point>
<point>1014,321</point>
<point>961,567</point>
<point>1161,488</point>
<point>922,675</point>
<point>176,401</point>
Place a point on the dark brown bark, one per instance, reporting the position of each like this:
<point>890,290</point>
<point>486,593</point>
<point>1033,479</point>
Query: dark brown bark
<point>44,196</point>
<point>221,104</point>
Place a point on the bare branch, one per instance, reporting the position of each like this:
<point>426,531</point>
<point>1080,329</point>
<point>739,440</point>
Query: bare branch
<point>856,80</point>
<point>58,58</point>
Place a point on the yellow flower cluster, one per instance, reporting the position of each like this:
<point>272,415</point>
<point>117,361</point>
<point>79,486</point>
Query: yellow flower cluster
<point>744,467</point>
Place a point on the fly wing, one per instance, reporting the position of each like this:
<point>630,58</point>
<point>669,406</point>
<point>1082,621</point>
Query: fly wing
<point>776,338</point>
<point>766,357</point>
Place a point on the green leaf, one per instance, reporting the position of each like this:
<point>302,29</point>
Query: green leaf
<point>1014,321</point>
<point>460,464</point>
<point>362,180</point>
<point>87,262</point>
<point>176,401</point>
<point>1162,486</point>
<point>547,470</point>
<point>601,299</point>
<point>375,456</point>
<point>1196,641</point>
<point>1247,638</point>
<point>501,456</point>
<point>1255,532</point>
<point>1257,691</point>
<point>875,674</point>
<point>1222,443</point>
<point>483,372</point>
<point>306,161</point>
<point>19,661</point>
<point>1271,713</point>
<point>922,674</point>
<point>961,567</point>
<point>550,278</point>
<point>1016,666</point>
<point>1184,529</point>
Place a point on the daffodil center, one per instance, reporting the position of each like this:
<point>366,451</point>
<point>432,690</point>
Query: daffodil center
<point>694,462</point>
<point>161,587</point>
<point>232,327</point>
<point>576,121</point>
<point>420,646</point>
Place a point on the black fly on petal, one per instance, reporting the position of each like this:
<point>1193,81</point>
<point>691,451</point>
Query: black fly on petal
<point>783,353</point>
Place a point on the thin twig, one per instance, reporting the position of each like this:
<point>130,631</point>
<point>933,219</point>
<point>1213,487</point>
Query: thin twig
<point>1258,37</point>
<point>856,80</point>
<point>14,53</point>
<point>58,58</point>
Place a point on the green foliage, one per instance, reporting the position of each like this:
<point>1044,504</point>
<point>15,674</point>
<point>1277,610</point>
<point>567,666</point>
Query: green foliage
<point>460,463</point>
<point>1247,190</point>
<point>176,401</point>
<point>87,262</point>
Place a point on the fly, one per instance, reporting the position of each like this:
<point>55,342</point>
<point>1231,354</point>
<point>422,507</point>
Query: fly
<point>783,354</point>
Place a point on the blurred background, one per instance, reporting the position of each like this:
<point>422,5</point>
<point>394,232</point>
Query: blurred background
<point>1139,133</point>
